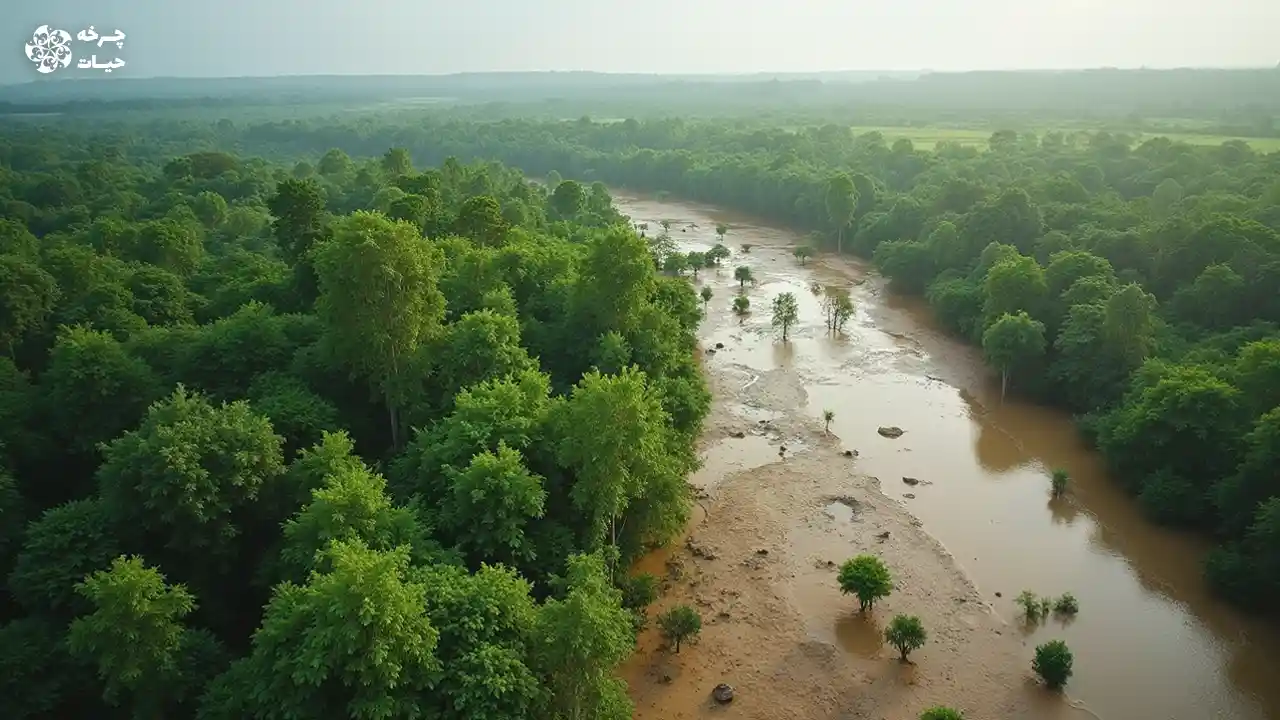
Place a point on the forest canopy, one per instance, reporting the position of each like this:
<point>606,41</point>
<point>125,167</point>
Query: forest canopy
<point>340,445</point>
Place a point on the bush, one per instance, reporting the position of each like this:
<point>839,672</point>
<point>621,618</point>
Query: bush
<point>1053,664</point>
<point>1066,605</point>
<point>1034,607</point>
<point>1058,482</point>
<point>680,623</point>
<point>867,577</point>
<point>906,633</point>
<point>941,713</point>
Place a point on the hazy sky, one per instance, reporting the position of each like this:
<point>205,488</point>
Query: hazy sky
<point>270,37</point>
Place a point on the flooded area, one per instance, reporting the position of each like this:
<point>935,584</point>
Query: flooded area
<point>969,470</point>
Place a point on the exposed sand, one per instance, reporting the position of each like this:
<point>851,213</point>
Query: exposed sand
<point>760,565</point>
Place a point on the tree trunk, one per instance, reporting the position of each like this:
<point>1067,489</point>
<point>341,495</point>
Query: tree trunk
<point>840,241</point>
<point>395,424</point>
<point>1004,383</point>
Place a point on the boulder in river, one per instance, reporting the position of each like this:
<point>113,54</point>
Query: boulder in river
<point>910,481</point>
<point>723,693</point>
<point>892,431</point>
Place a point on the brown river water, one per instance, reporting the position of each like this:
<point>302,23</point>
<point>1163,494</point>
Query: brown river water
<point>1149,641</point>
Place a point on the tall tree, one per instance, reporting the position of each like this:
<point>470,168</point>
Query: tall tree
<point>841,202</point>
<point>380,301</point>
<point>1011,342</point>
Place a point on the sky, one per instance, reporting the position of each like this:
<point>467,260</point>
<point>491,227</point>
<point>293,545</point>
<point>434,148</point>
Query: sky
<point>229,38</point>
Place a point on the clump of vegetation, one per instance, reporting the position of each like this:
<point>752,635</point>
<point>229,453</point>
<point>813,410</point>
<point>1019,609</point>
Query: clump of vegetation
<point>1034,608</point>
<point>866,577</point>
<point>743,275</point>
<point>941,713</point>
<point>815,287</point>
<point>741,306</point>
<point>827,417</point>
<point>1058,482</point>
<point>1053,663</point>
<point>906,633</point>
<point>1066,605</point>
<point>706,296</point>
<point>680,624</point>
<point>638,593</point>
<point>746,248</point>
<point>802,253</point>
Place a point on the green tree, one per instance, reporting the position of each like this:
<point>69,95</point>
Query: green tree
<point>841,202</point>
<point>568,200</point>
<point>1058,482</point>
<point>837,306</point>
<point>721,231</point>
<point>802,253</point>
<point>679,624</point>
<point>494,501</point>
<point>1012,342</point>
<point>866,577</point>
<point>786,312</point>
<point>27,298</point>
<point>906,633</point>
<point>397,162</point>
<point>741,306</point>
<point>186,479</point>
<point>582,638</point>
<point>379,299</point>
<point>310,660</point>
<point>134,635</point>
<point>706,296</point>
<point>1014,285</point>
<point>1052,663</point>
<point>743,275</point>
<point>827,417</point>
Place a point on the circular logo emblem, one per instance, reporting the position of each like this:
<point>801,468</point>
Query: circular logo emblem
<point>49,49</point>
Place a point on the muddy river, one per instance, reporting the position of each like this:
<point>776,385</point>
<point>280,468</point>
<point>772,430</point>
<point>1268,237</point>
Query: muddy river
<point>1149,641</point>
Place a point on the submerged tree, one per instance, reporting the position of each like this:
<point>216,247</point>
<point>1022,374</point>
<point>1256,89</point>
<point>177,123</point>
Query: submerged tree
<point>906,633</point>
<point>786,311</point>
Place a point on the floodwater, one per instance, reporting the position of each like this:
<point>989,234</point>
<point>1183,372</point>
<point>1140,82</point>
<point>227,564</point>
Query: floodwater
<point>1149,641</point>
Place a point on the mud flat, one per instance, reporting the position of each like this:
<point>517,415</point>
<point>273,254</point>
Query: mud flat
<point>973,528</point>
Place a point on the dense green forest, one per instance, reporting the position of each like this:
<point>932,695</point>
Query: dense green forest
<point>375,442</point>
<point>1134,284</point>
<point>470,454</point>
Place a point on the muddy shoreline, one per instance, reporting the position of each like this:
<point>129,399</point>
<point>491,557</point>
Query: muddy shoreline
<point>771,529</point>
<point>760,559</point>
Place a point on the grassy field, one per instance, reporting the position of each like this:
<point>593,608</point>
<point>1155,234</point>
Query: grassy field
<point>925,138</point>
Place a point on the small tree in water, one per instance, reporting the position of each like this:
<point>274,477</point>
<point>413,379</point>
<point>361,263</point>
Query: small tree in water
<point>1053,663</point>
<point>1058,482</point>
<point>867,577</point>
<point>802,253</point>
<point>741,306</point>
<point>680,623</point>
<point>1066,605</point>
<point>743,275</point>
<point>746,248</point>
<point>838,307</point>
<point>706,296</point>
<point>827,417</point>
<point>906,633</point>
<point>785,313</point>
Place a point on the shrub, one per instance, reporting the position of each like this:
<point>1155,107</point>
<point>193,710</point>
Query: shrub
<point>1053,664</point>
<point>1066,605</point>
<point>680,623</point>
<point>941,713</point>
